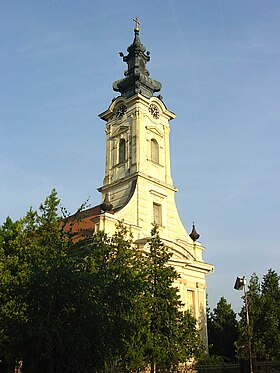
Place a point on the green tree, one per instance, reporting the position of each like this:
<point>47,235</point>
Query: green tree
<point>13,279</point>
<point>222,331</point>
<point>89,306</point>
<point>264,314</point>
<point>270,326</point>
<point>173,337</point>
<point>117,270</point>
<point>254,306</point>
<point>46,304</point>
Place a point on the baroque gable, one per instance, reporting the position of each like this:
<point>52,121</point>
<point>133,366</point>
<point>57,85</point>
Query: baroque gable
<point>120,130</point>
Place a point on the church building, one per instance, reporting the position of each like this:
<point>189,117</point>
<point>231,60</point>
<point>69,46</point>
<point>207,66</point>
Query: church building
<point>138,188</point>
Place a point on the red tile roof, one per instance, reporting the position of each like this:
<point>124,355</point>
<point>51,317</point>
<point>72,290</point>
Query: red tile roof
<point>81,224</point>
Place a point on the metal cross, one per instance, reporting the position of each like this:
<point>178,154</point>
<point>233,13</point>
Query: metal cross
<point>137,23</point>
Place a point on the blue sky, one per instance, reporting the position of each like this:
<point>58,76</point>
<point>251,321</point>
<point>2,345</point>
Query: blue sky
<point>218,61</point>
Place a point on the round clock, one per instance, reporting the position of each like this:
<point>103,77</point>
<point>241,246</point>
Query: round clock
<point>154,111</point>
<point>121,110</point>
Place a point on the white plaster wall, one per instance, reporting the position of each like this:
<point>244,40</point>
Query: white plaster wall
<point>154,185</point>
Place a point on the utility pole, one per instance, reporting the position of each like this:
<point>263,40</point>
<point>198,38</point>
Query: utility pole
<point>240,284</point>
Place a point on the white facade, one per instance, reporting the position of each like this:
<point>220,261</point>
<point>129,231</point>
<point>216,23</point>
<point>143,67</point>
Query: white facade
<point>139,185</point>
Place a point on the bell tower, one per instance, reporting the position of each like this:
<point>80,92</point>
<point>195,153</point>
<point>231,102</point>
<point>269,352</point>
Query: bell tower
<point>137,129</point>
<point>138,187</point>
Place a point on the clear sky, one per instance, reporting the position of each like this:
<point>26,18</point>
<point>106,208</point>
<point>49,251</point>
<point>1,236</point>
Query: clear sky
<point>218,61</point>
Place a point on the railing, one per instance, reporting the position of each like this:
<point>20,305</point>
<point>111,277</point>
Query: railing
<point>241,367</point>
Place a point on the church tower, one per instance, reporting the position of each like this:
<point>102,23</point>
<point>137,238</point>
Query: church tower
<point>138,187</point>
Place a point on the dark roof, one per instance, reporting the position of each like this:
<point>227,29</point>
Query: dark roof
<point>137,79</point>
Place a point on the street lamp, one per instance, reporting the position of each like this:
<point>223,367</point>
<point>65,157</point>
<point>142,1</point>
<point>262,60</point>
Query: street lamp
<point>240,284</point>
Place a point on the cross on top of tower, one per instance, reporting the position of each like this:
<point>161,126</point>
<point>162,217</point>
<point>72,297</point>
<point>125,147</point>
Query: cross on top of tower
<point>137,23</point>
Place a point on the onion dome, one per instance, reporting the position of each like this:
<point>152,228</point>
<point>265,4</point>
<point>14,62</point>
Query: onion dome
<point>194,235</point>
<point>106,205</point>
<point>137,78</point>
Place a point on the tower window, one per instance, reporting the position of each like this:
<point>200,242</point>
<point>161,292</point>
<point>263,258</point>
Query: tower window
<point>154,151</point>
<point>191,301</point>
<point>122,154</point>
<point>157,213</point>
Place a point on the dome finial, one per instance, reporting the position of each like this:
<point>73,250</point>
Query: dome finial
<point>194,235</point>
<point>137,23</point>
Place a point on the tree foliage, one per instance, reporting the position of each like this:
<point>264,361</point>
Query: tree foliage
<point>173,336</point>
<point>264,313</point>
<point>222,331</point>
<point>45,303</point>
<point>87,307</point>
<point>229,338</point>
<point>116,267</point>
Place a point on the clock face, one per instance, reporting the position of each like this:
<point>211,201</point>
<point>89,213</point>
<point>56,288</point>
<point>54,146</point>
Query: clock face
<point>154,110</point>
<point>121,110</point>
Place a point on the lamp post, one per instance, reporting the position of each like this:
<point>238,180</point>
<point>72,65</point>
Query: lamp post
<point>240,284</point>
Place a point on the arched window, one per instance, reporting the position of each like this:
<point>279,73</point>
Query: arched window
<point>154,151</point>
<point>122,154</point>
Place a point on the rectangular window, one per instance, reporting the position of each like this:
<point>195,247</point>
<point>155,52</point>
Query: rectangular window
<point>190,302</point>
<point>157,213</point>
<point>122,149</point>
